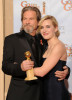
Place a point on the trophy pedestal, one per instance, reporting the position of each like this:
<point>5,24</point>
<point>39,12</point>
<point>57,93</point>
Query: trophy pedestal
<point>30,75</point>
<point>29,79</point>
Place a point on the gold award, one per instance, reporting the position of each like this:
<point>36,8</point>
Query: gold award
<point>29,73</point>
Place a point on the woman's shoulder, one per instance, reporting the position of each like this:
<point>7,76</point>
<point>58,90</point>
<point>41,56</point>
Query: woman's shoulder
<point>60,46</point>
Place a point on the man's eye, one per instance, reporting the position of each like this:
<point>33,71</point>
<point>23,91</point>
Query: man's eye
<point>24,18</point>
<point>31,18</point>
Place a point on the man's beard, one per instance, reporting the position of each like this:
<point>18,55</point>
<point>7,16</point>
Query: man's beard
<point>28,30</point>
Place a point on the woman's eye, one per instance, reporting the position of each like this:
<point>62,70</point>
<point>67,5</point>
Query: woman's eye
<point>48,26</point>
<point>41,27</point>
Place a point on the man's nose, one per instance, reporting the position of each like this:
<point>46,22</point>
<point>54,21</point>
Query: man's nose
<point>27,21</point>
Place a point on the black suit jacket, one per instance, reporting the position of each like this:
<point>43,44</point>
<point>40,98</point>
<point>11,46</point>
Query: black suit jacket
<point>15,46</point>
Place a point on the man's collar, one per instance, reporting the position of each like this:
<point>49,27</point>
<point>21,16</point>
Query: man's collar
<point>27,35</point>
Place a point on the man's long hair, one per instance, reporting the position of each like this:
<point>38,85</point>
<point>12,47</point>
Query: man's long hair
<point>28,8</point>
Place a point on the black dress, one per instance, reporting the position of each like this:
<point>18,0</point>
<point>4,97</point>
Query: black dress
<point>52,88</point>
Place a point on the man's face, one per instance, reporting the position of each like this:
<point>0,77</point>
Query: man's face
<point>30,21</point>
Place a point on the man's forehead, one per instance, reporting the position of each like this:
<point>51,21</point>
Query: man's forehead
<point>29,13</point>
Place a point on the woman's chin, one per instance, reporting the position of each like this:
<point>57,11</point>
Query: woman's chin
<point>46,38</point>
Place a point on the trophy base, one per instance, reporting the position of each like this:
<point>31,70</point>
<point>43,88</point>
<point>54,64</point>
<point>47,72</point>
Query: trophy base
<point>29,79</point>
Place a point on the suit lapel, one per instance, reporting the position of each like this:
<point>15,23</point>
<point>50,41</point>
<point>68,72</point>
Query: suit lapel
<point>40,52</point>
<point>27,47</point>
<point>39,47</point>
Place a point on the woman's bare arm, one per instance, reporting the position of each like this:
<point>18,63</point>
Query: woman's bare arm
<point>50,61</point>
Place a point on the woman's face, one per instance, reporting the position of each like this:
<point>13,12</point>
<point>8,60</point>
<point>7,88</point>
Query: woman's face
<point>47,29</point>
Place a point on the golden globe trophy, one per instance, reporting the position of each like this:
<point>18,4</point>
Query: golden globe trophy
<point>29,73</point>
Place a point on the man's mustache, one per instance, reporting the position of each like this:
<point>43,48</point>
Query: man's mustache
<point>27,25</point>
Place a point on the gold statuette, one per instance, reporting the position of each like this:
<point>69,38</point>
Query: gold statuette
<point>29,73</point>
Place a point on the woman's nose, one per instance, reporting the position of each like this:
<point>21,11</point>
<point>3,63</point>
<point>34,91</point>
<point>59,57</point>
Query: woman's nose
<point>44,30</point>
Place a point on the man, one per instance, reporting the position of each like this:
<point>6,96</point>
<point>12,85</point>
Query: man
<point>14,60</point>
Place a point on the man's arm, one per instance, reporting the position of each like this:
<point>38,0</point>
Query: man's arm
<point>9,66</point>
<point>63,74</point>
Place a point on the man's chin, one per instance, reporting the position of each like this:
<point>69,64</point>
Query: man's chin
<point>28,31</point>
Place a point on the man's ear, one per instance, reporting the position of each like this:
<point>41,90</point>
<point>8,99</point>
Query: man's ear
<point>38,25</point>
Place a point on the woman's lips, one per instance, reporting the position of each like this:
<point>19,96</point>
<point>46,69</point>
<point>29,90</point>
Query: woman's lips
<point>45,34</point>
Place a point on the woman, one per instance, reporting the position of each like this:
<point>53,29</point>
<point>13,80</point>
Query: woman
<point>54,58</point>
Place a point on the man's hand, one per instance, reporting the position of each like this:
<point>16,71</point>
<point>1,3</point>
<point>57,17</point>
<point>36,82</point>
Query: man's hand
<point>27,64</point>
<point>62,74</point>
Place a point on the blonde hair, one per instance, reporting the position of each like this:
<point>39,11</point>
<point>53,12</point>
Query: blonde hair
<point>54,22</point>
